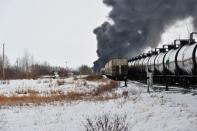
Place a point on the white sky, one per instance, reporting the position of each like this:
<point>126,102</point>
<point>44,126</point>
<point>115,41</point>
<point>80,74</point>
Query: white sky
<point>55,31</point>
<point>60,31</point>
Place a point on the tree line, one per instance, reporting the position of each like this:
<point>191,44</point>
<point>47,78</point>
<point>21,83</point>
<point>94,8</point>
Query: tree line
<point>26,68</point>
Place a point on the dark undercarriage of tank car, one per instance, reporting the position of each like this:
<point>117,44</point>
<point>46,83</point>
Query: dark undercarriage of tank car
<point>174,64</point>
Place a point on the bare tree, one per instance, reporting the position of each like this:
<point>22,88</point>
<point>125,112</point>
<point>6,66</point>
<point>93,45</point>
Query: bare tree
<point>25,63</point>
<point>85,70</point>
<point>6,62</point>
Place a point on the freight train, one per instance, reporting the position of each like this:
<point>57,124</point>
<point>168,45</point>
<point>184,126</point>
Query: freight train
<point>174,64</point>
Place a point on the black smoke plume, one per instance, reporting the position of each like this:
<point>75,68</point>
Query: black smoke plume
<point>138,24</point>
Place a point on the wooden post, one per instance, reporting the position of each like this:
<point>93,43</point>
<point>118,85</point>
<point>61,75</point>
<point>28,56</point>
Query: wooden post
<point>3,62</point>
<point>125,81</point>
<point>149,79</point>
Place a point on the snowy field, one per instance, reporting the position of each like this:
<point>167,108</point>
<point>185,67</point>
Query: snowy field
<point>174,110</point>
<point>46,86</point>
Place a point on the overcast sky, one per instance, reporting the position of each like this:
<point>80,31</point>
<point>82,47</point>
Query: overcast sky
<point>52,30</point>
<point>60,31</point>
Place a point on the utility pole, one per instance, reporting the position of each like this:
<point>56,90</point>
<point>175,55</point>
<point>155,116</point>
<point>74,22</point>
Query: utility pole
<point>3,61</point>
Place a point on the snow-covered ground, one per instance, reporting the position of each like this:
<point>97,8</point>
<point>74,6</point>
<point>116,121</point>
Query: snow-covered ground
<point>157,111</point>
<point>46,86</point>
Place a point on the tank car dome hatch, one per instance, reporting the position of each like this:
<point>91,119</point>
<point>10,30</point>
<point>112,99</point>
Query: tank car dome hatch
<point>184,42</point>
<point>172,46</point>
<point>193,37</point>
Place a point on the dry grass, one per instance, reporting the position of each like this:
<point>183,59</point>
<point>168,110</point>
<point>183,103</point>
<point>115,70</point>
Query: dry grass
<point>75,96</point>
<point>94,77</point>
<point>97,95</point>
<point>106,88</point>
<point>33,97</point>
<point>37,99</point>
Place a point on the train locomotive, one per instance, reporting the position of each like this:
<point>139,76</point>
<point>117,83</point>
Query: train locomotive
<point>174,64</point>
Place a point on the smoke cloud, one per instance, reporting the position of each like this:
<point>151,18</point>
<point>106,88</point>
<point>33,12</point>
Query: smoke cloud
<point>138,24</point>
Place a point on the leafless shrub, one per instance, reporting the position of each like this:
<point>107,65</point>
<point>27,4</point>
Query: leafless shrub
<point>21,91</point>
<point>60,82</point>
<point>125,94</point>
<point>108,87</point>
<point>29,91</point>
<point>107,123</point>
